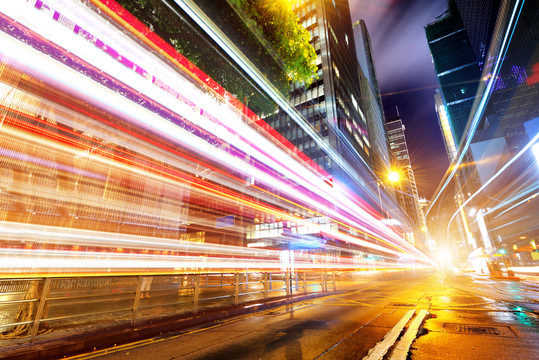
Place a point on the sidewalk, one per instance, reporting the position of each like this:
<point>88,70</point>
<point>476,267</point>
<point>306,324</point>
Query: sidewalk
<point>81,343</point>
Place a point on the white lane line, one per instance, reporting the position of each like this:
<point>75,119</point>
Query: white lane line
<point>401,350</point>
<point>377,352</point>
<point>352,333</point>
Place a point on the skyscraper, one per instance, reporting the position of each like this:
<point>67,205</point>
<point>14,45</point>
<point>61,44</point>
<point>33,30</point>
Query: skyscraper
<point>371,99</point>
<point>445,127</point>
<point>331,104</point>
<point>407,194</point>
<point>479,19</point>
<point>456,68</point>
<point>492,187</point>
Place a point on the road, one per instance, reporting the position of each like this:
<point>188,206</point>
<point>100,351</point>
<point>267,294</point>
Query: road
<point>466,317</point>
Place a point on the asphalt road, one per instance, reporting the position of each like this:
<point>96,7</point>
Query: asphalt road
<point>440,316</point>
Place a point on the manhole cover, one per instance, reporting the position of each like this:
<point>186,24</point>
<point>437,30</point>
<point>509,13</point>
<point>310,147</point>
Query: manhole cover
<point>474,329</point>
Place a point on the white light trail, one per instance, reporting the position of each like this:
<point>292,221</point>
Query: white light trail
<point>85,46</point>
<point>478,114</point>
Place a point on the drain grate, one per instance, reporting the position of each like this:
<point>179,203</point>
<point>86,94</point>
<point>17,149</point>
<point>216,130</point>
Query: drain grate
<point>474,329</point>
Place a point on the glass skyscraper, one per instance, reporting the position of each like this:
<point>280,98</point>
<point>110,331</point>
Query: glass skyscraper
<point>371,99</point>
<point>407,194</point>
<point>456,68</point>
<point>331,104</point>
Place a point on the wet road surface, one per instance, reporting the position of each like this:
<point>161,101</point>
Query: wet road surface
<point>430,316</point>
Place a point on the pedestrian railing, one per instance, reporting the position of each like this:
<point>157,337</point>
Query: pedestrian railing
<point>45,308</point>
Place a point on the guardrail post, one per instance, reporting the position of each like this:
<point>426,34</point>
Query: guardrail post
<point>137,300</point>
<point>265,281</point>
<point>334,282</point>
<point>237,290</point>
<point>42,301</point>
<point>322,281</point>
<point>246,281</point>
<point>197,293</point>
<point>305,282</point>
<point>270,285</point>
<point>287,280</point>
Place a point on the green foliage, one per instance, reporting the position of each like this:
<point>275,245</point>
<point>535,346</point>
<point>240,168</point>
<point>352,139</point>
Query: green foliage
<point>191,42</point>
<point>279,24</point>
<point>271,22</point>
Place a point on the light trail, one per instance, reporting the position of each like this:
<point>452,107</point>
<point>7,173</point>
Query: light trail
<point>93,140</point>
<point>215,33</point>
<point>492,178</point>
<point>479,111</point>
<point>167,128</point>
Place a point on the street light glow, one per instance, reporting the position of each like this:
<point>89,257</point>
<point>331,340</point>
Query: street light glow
<point>394,176</point>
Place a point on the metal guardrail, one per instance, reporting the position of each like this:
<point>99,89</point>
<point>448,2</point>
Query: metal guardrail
<point>30,308</point>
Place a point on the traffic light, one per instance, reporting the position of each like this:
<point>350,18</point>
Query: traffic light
<point>502,251</point>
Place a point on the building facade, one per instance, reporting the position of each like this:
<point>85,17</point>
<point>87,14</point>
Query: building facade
<point>497,179</point>
<point>479,19</point>
<point>406,188</point>
<point>456,68</point>
<point>445,127</point>
<point>331,104</point>
<point>371,99</point>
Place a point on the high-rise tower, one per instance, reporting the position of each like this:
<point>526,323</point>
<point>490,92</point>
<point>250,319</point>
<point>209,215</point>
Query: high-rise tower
<point>447,133</point>
<point>407,194</point>
<point>456,68</point>
<point>331,104</point>
<point>371,99</point>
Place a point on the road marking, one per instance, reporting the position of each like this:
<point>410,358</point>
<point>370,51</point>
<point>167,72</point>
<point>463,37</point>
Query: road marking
<point>158,339</point>
<point>381,348</point>
<point>344,302</point>
<point>352,333</point>
<point>401,350</point>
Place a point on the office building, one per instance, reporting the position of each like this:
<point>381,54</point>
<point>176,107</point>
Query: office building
<point>479,19</point>
<point>371,99</point>
<point>331,104</point>
<point>456,68</point>
<point>445,127</point>
<point>406,188</point>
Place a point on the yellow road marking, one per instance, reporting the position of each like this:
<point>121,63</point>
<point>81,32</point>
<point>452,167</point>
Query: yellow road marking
<point>351,303</point>
<point>154,340</point>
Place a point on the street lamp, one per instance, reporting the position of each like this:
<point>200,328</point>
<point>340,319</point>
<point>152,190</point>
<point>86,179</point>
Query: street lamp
<point>394,176</point>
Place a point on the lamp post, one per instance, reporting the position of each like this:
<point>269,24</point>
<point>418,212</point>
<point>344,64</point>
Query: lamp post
<point>393,176</point>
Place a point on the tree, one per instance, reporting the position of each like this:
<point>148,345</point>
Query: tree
<point>279,24</point>
<point>288,57</point>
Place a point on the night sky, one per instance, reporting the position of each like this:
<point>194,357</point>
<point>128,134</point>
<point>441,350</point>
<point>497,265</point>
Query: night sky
<point>406,78</point>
